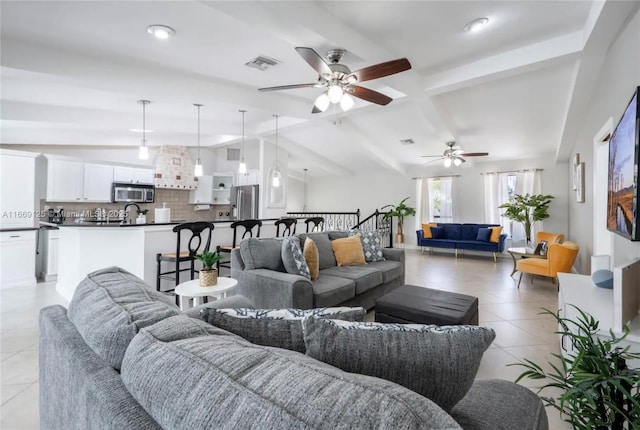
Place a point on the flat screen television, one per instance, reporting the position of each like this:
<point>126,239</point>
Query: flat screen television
<point>623,214</point>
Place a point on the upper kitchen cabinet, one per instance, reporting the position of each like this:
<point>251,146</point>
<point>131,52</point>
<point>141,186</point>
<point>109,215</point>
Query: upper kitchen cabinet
<point>133,175</point>
<point>202,194</point>
<point>18,203</point>
<point>249,178</point>
<point>73,181</point>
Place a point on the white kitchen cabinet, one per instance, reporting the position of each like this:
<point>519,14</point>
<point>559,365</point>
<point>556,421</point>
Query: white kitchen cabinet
<point>17,176</point>
<point>65,181</point>
<point>202,194</point>
<point>49,240</point>
<point>250,178</point>
<point>133,175</point>
<point>97,183</point>
<point>74,181</point>
<point>18,262</point>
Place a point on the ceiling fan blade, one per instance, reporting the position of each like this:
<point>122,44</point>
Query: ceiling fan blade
<point>430,156</point>
<point>434,161</point>
<point>474,154</point>
<point>315,109</point>
<point>289,87</point>
<point>368,95</point>
<point>380,70</point>
<point>314,59</point>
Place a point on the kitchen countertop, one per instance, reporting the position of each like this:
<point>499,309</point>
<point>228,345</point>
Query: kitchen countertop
<point>19,229</point>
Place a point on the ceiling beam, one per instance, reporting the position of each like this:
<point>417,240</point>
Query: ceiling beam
<point>517,61</point>
<point>302,152</point>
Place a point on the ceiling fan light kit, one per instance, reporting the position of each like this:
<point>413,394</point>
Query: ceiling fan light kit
<point>455,156</point>
<point>339,81</point>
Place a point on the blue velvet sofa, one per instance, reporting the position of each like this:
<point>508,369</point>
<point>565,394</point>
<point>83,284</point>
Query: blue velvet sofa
<point>462,236</point>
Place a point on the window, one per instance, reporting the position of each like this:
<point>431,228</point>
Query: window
<point>440,200</point>
<point>507,193</point>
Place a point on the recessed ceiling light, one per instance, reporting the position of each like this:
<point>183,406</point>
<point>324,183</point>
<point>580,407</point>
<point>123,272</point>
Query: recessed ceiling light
<point>476,25</point>
<point>161,31</point>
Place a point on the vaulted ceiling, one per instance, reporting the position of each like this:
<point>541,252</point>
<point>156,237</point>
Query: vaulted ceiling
<point>72,73</point>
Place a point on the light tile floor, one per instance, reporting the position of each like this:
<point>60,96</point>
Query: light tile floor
<point>512,313</point>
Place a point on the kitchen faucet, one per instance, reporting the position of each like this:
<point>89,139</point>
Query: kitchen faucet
<point>124,219</point>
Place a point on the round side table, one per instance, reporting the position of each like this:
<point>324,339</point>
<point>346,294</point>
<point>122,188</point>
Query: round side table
<point>193,289</point>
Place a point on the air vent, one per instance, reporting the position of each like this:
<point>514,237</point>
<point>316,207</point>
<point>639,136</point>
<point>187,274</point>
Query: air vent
<point>233,154</point>
<point>262,63</point>
<point>407,141</point>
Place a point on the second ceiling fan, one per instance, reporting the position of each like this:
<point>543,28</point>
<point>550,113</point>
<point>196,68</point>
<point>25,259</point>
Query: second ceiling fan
<point>340,81</point>
<point>453,155</point>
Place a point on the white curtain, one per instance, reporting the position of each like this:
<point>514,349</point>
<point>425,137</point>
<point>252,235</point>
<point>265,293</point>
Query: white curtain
<point>449,204</point>
<point>528,182</point>
<point>496,192</point>
<point>422,206</point>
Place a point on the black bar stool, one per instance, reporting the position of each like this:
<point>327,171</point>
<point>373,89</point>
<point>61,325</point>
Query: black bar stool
<point>251,229</point>
<point>288,226</point>
<point>317,223</point>
<point>199,242</point>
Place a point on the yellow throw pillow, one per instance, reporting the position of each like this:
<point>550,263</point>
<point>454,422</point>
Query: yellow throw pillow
<point>426,230</point>
<point>311,255</point>
<point>495,234</point>
<point>348,251</point>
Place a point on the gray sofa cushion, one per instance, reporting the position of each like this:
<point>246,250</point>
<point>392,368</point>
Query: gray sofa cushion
<point>364,277</point>
<point>292,257</point>
<point>438,362</point>
<point>280,328</point>
<point>333,235</point>
<point>262,253</point>
<point>232,383</point>
<point>110,306</point>
<point>390,269</point>
<point>478,411</point>
<point>330,291</point>
<point>325,251</point>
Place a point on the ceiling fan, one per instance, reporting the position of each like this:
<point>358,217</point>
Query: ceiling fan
<point>340,81</point>
<point>454,155</point>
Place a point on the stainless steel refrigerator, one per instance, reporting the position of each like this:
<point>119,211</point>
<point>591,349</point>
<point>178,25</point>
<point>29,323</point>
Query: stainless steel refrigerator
<point>244,202</point>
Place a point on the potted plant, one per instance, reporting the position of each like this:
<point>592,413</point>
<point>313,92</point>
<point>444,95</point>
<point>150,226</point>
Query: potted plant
<point>399,211</point>
<point>599,391</point>
<point>221,185</point>
<point>208,274</point>
<point>528,209</point>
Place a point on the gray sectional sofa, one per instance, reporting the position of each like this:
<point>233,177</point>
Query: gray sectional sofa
<point>123,356</point>
<point>258,267</point>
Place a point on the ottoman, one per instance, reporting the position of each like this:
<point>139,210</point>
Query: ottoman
<point>412,304</point>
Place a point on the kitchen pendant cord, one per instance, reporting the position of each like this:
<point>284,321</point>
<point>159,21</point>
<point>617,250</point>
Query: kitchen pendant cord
<point>242,148</point>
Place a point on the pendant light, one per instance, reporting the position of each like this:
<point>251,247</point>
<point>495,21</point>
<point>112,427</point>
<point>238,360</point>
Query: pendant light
<point>304,201</point>
<point>143,151</point>
<point>197,171</point>
<point>242,167</point>
<point>276,177</point>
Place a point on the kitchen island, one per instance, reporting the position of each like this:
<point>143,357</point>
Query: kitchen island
<point>86,247</point>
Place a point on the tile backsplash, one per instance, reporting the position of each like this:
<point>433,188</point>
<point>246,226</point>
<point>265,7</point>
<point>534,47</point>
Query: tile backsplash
<point>176,200</point>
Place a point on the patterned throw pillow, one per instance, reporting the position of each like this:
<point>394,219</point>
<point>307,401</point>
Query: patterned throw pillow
<point>371,245</point>
<point>438,362</point>
<point>292,257</point>
<point>281,328</point>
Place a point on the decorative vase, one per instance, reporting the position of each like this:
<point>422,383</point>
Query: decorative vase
<point>208,278</point>
<point>399,238</point>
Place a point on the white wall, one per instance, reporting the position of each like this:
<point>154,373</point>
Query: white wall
<point>618,80</point>
<point>251,157</point>
<point>372,191</point>
<point>295,195</point>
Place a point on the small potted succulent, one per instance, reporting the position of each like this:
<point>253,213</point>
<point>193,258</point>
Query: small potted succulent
<point>209,274</point>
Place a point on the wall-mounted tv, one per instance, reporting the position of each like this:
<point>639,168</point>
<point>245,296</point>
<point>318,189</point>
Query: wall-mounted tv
<point>623,214</point>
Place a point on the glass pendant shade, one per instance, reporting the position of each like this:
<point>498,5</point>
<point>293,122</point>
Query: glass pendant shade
<point>447,162</point>
<point>335,93</point>
<point>275,179</point>
<point>197,170</point>
<point>322,102</point>
<point>242,167</point>
<point>346,102</point>
<point>275,174</point>
<point>143,152</point>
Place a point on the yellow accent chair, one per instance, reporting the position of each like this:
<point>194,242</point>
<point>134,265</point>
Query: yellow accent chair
<point>560,258</point>
<point>549,237</point>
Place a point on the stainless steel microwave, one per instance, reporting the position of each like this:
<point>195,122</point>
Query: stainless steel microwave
<point>132,193</point>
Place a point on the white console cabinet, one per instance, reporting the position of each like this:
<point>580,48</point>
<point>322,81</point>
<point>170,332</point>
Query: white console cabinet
<point>18,262</point>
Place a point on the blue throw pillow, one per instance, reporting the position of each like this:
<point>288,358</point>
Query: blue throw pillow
<point>437,232</point>
<point>484,234</point>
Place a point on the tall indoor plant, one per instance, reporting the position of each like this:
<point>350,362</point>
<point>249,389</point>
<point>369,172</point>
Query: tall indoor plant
<point>528,209</point>
<point>399,211</point>
<point>599,391</point>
